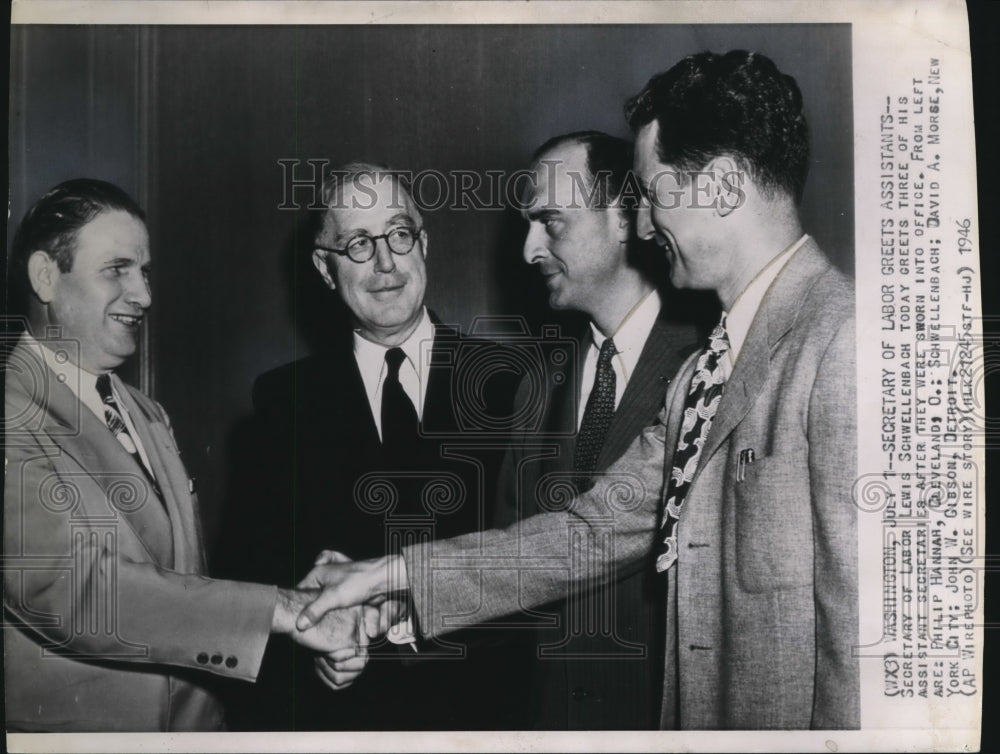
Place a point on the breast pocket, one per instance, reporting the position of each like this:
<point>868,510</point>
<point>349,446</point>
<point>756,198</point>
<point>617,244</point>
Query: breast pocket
<point>774,538</point>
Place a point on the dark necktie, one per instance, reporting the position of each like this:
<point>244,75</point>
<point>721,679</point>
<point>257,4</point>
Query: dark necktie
<point>596,417</point>
<point>700,406</point>
<point>399,418</point>
<point>116,423</point>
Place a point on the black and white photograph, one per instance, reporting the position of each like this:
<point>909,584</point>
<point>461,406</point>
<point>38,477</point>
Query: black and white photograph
<point>471,376</point>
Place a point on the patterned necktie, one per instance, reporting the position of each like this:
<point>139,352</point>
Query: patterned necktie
<point>596,418</point>
<point>699,409</point>
<point>116,423</point>
<point>399,418</point>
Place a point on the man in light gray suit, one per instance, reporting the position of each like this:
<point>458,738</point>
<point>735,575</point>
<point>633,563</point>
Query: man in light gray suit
<point>742,488</point>
<point>111,623</point>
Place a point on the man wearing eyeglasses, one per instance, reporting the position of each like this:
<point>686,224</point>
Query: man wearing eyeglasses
<point>362,445</point>
<point>740,494</point>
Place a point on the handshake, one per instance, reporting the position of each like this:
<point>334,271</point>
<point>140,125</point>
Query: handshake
<point>340,607</point>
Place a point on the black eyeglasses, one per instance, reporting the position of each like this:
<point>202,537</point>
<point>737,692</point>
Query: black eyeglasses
<point>361,248</point>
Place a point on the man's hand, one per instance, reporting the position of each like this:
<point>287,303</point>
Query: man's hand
<point>339,632</point>
<point>342,636</point>
<point>349,583</point>
<point>338,670</point>
<point>393,616</point>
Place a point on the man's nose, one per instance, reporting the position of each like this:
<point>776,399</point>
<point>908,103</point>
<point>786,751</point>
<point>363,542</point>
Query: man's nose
<point>138,292</point>
<point>385,260</point>
<point>535,246</point>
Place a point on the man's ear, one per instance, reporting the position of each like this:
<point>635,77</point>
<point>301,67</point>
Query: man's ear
<point>319,260</point>
<point>622,225</point>
<point>727,185</point>
<point>423,243</point>
<point>43,274</point>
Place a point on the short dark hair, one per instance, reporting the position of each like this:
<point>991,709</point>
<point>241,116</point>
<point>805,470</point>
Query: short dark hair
<point>737,103</point>
<point>609,161</point>
<point>52,224</point>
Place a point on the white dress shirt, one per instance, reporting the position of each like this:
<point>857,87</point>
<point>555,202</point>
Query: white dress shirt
<point>630,338</point>
<point>83,385</point>
<point>413,371</point>
<point>745,307</point>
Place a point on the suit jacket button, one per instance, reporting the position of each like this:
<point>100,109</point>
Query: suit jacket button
<point>231,662</point>
<point>202,658</point>
<point>216,659</point>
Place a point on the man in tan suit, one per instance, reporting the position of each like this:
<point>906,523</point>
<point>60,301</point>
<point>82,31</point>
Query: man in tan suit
<point>741,490</point>
<point>108,613</point>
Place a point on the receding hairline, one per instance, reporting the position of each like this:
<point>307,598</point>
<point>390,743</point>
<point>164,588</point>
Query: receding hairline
<point>401,204</point>
<point>354,174</point>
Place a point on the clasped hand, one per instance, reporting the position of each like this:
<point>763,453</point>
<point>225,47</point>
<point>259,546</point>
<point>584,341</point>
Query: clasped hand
<point>357,588</point>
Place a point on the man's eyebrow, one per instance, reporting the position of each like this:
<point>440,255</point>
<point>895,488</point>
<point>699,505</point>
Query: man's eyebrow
<point>542,213</point>
<point>402,217</point>
<point>120,262</point>
<point>349,233</point>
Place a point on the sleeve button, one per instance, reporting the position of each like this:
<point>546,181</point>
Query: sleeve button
<point>231,662</point>
<point>202,658</point>
<point>216,659</point>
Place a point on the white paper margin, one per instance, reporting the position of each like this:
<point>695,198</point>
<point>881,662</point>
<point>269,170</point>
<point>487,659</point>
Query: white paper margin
<point>893,42</point>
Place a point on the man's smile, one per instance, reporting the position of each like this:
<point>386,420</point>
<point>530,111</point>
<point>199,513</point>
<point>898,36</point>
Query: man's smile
<point>128,320</point>
<point>388,290</point>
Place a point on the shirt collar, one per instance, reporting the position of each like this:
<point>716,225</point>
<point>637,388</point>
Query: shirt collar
<point>80,382</point>
<point>740,317</point>
<point>631,335</point>
<point>369,353</point>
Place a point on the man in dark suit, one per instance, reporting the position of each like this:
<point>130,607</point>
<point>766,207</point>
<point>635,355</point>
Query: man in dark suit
<point>362,447</point>
<point>753,457</point>
<point>582,241</point>
<point>112,623</point>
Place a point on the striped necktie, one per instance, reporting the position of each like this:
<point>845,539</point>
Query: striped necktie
<point>116,423</point>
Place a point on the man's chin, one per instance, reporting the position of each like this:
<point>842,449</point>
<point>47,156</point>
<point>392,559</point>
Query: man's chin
<point>387,328</point>
<point>108,361</point>
<point>557,300</point>
<point>123,348</point>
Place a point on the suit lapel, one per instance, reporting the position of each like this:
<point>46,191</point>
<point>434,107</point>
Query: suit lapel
<point>676,396</point>
<point>744,385</point>
<point>774,319</point>
<point>170,474</point>
<point>86,439</point>
<point>644,394</point>
<point>439,405</point>
<point>333,386</point>
<point>565,413</point>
